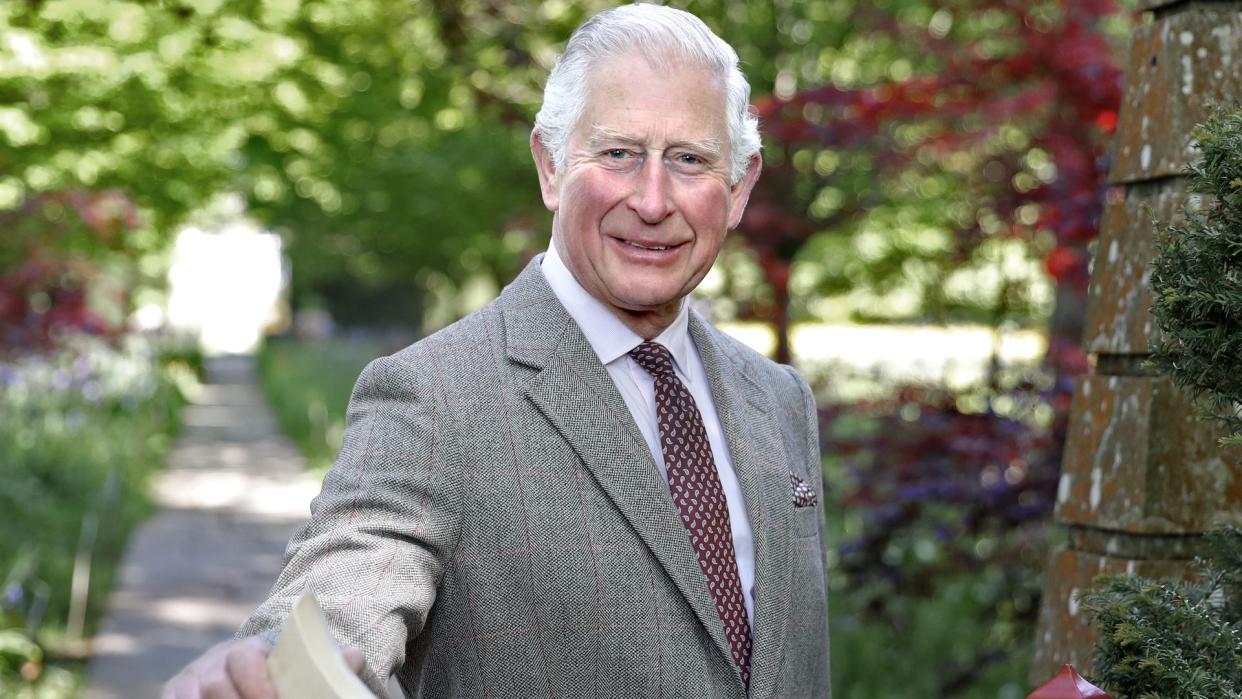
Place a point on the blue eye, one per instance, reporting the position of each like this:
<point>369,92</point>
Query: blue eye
<point>617,153</point>
<point>690,162</point>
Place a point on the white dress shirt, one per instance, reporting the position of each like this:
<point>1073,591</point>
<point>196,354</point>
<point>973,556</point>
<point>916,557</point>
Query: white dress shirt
<point>612,340</point>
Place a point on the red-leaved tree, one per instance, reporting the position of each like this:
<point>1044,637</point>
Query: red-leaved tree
<point>49,259</point>
<point>1048,75</point>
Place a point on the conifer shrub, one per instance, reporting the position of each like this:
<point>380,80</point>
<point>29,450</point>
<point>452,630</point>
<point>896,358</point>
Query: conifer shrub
<point>1197,279</point>
<point>1173,640</point>
<point>1183,639</point>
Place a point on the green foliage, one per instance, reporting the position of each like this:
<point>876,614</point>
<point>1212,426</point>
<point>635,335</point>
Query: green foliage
<point>937,644</point>
<point>308,386</point>
<point>937,524</point>
<point>1172,640</point>
<point>138,96</point>
<point>387,140</point>
<point>401,162</point>
<point>384,139</point>
<point>81,431</point>
<point>1196,279</point>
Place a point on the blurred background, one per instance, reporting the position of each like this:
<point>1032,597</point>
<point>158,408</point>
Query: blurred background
<point>317,182</point>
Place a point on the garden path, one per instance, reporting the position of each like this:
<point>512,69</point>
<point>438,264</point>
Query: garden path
<point>234,490</point>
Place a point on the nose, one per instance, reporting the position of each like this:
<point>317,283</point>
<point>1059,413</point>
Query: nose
<point>650,198</point>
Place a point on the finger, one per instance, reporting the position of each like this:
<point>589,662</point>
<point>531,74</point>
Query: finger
<point>246,667</point>
<point>256,643</point>
<point>190,686</point>
<point>354,658</point>
<point>179,687</point>
<point>218,687</point>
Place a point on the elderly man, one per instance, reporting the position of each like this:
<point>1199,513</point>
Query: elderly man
<point>583,489</point>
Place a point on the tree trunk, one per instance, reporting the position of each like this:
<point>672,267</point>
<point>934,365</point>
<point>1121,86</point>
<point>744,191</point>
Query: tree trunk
<point>781,324</point>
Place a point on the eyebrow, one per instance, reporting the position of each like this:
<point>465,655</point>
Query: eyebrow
<point>601,136</point>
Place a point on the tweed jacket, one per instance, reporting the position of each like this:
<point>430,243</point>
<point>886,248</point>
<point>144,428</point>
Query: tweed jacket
<point>495,525</point>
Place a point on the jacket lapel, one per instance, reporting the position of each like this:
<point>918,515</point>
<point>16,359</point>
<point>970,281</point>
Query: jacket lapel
<point>761,465</point>
<point>577,396</point>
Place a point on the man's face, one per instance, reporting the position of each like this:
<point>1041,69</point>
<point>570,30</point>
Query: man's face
<point>643,200</point>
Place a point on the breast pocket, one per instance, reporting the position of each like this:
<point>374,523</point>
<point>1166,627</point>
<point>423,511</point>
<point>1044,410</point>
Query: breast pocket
<point>806,521</point>
<point>806,505</point>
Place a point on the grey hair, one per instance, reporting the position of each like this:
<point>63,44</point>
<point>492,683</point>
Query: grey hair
<point>658,33</point>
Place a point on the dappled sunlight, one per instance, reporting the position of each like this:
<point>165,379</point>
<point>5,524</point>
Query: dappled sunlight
<point>239,491</point>
<point>953,355</point>
<point>225,286</point>
<point>204,610</point>
<point>116,644</point>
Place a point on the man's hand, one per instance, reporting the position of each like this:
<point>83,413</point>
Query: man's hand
<point>235,670</point>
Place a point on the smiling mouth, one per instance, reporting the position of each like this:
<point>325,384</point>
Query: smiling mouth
<point>647,246</point>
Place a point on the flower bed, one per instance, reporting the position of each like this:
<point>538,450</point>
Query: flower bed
<point>82,428</point>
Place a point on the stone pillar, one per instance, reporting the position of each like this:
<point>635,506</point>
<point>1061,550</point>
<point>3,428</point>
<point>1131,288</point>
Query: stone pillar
<point>1142,478</point>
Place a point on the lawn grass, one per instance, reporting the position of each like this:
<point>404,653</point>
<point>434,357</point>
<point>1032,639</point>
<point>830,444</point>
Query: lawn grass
<point>308,385</point>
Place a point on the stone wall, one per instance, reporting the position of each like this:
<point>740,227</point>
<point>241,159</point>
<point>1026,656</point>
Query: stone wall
<point>1142,478</point>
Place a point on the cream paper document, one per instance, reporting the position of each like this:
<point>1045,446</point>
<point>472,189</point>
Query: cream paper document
<point>307,663</point>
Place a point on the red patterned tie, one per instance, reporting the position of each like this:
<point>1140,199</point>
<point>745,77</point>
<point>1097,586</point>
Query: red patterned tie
<point>696,489</point>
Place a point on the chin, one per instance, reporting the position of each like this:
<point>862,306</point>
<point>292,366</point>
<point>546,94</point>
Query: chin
<point>644,302</point>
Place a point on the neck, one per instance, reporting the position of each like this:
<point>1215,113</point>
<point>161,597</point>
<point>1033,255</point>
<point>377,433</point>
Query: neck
<point>648,324</point>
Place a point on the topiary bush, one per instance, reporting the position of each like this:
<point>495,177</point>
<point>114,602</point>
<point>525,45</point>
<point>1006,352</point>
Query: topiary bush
<point>1173,640</point>
<point>1197,279</point>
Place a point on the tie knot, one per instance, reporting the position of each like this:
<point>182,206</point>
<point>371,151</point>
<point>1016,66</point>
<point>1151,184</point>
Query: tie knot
<point>655,358</point>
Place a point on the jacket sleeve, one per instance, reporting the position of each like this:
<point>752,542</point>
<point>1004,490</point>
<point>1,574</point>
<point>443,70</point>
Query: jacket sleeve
<point>383,526</point>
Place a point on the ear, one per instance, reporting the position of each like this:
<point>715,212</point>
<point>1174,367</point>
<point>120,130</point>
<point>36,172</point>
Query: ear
<point>549,185</point>
<point>739,193</point>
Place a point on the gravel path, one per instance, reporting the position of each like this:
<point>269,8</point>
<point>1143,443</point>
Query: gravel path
<point>233,492</point>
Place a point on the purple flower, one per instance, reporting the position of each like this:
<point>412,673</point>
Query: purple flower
<point>60,379</point>
<point>12,595</point>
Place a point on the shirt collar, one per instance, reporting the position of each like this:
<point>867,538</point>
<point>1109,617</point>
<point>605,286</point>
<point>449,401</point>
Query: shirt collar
<point>608,336</point>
